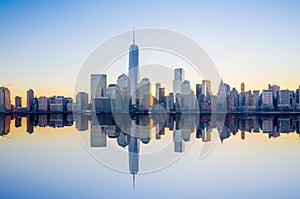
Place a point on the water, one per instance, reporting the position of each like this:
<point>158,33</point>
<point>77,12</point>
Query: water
<point>83,156</point>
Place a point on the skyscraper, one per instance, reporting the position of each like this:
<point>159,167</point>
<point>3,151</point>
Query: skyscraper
<point>82,101</point>
<point>30,96</point>
<point>284,100</point>
<point>267,98</point>
<point>242,87</point>
<point>178,79</point>
<point>157,87</point>
<point>18,102</point>
<point>145,94</point>
<point>5,103</point>
<point>133,69</point>
<point>98,85</point>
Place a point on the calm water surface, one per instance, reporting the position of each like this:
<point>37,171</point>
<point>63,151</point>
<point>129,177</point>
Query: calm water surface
<point>79,156</point>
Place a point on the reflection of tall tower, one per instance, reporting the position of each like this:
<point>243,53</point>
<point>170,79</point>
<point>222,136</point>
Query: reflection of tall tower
<point>133,150</point>
<point>4,125</point>
<point>133,69</point>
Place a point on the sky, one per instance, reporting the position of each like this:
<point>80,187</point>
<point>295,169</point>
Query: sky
<point>43,44</point>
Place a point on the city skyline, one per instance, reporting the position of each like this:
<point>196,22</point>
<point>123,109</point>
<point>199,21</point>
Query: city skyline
<point>243,49</point>
<point>149,99</point>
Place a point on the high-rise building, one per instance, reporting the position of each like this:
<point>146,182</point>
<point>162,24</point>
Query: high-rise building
<point>82,101</point>
<point>178,79</point>
<point>30,96</point>
<point>114,94</point>
<point>98,85</point>
<point>145,94</point>
<point>157,87</point>
<point>123,84</point>
<point>235,95</point>
<point>227,89</point>
<point>247,96</point>
<point>206,89</point>
<point>198,89</point>
<point>5,104</point>
<point>161,96</point>
<point>284,99</point>
<point>267,99</point>
<point>56,103</point>
<point>221,98</point>
<point>275,90</point>
<point>43,103</point>
<point>133,69</point>
<point>68,103</point>
<point>18,102</point>
<point>298,95</point>
<point>256,99</point>
<point>179,74</point>
<point>242,87</point>
<point>170,102</point>
<point>186,88</point>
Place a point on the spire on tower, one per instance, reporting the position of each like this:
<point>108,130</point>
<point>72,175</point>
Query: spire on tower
<point>133,180</point>
<point>133,36</point>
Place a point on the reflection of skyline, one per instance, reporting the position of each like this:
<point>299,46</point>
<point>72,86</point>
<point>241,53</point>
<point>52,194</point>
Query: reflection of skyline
<point>104,126</point>
<point>136,132</point>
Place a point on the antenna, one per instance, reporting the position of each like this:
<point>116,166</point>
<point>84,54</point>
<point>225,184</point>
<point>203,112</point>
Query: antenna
<point>133,181</point>
<point>133,36</point>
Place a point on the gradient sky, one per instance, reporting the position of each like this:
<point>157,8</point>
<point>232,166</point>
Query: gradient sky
<point>44,43</point>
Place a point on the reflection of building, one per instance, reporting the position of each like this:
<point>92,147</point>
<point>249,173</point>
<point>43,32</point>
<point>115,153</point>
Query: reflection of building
<point>56,120</point>
<point>18,121</point>
<point>267,125</point>
<point>284,125</point>
<point>81,122</point>
<point>179,146</point>
<point>29,126</point>
<point>4,125</point>
<point>133,153</point>
<point>98,136</point>
<point>43,120</point>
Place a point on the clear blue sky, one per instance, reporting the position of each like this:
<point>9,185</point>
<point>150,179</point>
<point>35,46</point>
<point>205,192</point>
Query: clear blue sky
<point>44,43</point>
